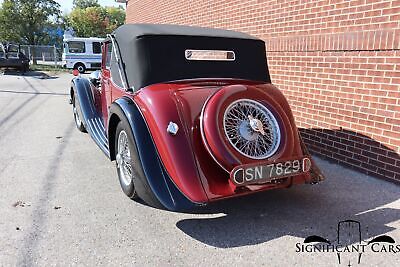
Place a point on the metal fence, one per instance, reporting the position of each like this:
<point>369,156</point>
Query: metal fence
<point>43,54</point>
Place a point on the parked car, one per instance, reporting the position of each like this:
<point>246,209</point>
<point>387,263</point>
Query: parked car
<point>82,53</point>
<point>190,116</point>
<point>12,57</point>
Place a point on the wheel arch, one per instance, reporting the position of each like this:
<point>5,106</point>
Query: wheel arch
<point>157,177</point>
<point>78,63</point>
<point>80,88</point>
<point>112,126</point>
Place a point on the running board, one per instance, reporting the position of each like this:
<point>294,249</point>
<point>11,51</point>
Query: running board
<point>96,129</point>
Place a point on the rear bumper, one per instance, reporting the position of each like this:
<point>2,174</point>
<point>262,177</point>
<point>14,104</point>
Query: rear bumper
<point>316,176</point>
<point>313,176</point>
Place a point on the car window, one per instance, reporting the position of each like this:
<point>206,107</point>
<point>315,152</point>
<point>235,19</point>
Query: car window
<point>210,55</point>
<point>76,47</point>
<point>12,51</point>
<point>108,55</point>
<point>96,47</point>
<point>115,72</point>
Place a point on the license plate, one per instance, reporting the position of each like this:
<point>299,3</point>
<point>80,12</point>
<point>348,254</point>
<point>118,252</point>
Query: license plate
<point>264,173</point>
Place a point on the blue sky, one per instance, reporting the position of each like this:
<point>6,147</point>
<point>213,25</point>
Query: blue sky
<point>66,5</point>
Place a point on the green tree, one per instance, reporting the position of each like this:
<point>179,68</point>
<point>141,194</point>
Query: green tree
<point>88,22</point>
<point>115,18</point>
<point>95,21</point>
<point>28,22</point>
<point>85,3</point>
<point>8,18</point>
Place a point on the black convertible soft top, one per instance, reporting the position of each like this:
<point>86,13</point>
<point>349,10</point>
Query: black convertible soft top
<point>153,53</point>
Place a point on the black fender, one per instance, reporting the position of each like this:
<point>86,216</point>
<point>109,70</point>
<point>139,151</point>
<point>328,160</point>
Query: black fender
<point>157,177</point>
<point>91,119</point>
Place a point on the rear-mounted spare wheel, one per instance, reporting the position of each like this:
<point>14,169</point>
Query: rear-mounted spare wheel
<point>251,129</point>
<point>239,126</point>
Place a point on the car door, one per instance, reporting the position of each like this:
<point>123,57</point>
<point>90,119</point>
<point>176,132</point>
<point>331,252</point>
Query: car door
<point>13,57</point>
<point>106,81</point>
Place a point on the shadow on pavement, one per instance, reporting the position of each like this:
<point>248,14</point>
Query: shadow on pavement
<point>300,211</point>
<point>34,74</point>
<point>31,93</point>
<point>39,215</point>
<point>23,105</point>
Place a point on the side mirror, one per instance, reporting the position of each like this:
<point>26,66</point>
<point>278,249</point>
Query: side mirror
<point>95,77</point>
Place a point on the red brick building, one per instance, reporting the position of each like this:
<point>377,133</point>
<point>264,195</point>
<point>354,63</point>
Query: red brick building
<point>337,61</point>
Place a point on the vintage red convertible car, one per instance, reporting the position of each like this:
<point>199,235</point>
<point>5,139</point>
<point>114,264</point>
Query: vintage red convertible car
<point>190,116</point>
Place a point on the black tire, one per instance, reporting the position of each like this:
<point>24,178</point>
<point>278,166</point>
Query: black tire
<point>77,115</point>
<point>139,187</point>
<point>25,68</point>
<point>80,67</point>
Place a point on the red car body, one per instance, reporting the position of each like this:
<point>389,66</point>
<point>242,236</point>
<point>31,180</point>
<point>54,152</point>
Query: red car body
<point>198,160</point>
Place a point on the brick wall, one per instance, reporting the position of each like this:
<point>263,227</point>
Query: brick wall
<point>337,61</point>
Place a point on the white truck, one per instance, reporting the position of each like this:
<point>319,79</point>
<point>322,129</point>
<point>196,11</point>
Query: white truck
<point>82,53</point>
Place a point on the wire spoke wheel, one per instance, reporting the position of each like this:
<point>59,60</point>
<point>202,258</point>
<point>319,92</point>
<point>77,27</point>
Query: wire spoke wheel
<point>124,164</point>
<point>76,115</point>
<point>251,129</point>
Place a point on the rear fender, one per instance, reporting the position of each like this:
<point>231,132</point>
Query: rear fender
<point>92,120</point>
<point>155,174</point>
<point>80,88</point>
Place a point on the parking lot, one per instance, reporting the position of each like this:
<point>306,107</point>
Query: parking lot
<point>61,202</point>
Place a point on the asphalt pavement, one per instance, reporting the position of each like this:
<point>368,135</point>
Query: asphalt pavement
<point>61,203</point>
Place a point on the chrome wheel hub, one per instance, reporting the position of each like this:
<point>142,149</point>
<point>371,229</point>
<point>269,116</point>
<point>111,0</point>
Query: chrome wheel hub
<point>251,129</point>
<point>123,159</point>
<point>256,125</point>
